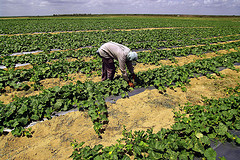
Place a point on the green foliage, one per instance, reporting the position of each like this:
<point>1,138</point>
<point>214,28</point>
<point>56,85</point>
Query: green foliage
<point>154,56</point>
<point>90,95</point>
<point>145,39</point>
<point>59,69</point>
<point>189,137</point>
<point>90,22</point>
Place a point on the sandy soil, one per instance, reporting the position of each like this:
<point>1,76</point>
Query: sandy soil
<point>150,109</point>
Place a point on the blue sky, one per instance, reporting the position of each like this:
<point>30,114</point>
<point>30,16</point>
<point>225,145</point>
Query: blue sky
<point>50,7</point>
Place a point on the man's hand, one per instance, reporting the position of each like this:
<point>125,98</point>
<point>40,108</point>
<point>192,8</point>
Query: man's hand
<point>130,84</point>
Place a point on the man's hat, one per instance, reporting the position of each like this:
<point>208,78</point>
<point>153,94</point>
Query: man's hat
<point>132,56</point>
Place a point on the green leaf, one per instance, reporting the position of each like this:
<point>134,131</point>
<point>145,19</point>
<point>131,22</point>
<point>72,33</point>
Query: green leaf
<point>178,126</point>
<point>205,140</point>
<point>98,157</point>
<point>222,158</point>
<point>237,140</point>
<point>1,129</point>
<point>56,89</point>
<point>58,104</point>
<point>17,131</point>
<point>125,157</point>
<point>237,125</point>
<point>184,89</point>
<point>137,150</point>
<point>94,117</point>
<point>187,143</point>
<point>155,155</point>
<point>210,154</point>
<point>35,117</point>
<point>159,146</point>
<point>143,144</point>
<point>221,129</point>
<point>15,124</point>
<point>198,147</point>
<point>183,156</point>
<point>123,95</point>
<point>22,110</point>
<point>172,154</point>
<point>213,135</point>
<point>23,121</point>
<point>199,135</point>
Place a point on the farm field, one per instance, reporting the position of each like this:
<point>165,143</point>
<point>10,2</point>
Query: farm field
<point>188,65</point>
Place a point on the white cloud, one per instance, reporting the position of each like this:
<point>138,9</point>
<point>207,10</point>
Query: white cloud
<point>216,2</point>
<point>43,4</point>
<point>49,7</point>
<point>195,4</point>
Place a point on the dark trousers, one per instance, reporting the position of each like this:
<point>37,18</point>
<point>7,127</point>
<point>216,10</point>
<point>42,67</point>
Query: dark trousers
<point>108,69</point>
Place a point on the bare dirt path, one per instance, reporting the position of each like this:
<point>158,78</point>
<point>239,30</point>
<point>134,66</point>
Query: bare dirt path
<point>149,109</point>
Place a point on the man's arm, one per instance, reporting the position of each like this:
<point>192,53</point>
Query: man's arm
<point>122,66</point>
<point>130,67</point>
<point>124,72</point>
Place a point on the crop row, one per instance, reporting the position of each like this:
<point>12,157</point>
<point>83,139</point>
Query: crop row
<point>47,24</point>
<point>62,67</point>
<point>144,39</point>
<point>90,95</point>
<point>155,55</point>
<point>190,137</point>
<point>59,69</point>
<point>40,58</point>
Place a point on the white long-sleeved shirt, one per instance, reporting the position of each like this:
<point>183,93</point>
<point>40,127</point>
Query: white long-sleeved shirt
<point>119,52</point>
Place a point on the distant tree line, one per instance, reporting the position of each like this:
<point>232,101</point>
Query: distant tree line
<point>172,15</point>
<point>55,15</point>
